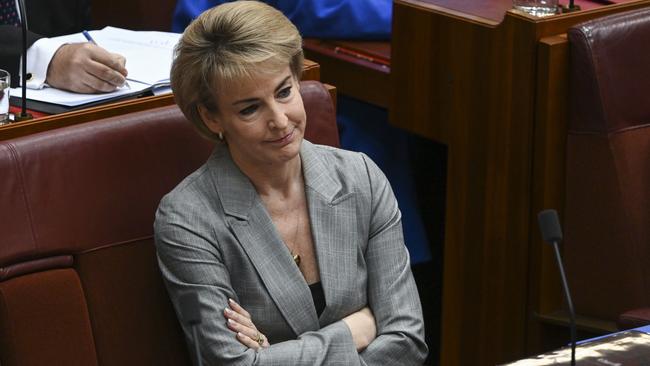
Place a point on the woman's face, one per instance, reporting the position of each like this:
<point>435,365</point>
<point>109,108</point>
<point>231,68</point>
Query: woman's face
<point>262,118</point>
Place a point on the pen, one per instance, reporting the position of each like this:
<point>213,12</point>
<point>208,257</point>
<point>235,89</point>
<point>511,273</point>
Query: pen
<point>91,40</point>
<point>362,56</point>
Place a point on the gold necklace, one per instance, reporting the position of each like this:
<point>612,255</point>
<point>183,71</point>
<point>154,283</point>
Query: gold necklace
<point>296,257</point>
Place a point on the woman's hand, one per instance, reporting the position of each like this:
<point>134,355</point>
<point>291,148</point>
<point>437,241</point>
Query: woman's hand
<point>239,321</point>
<point>363,328</point>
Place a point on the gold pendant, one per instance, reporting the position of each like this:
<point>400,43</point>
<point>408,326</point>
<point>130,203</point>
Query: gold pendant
<point>296,258</point>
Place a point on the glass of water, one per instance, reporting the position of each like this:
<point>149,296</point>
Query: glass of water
<point>538,8</point>
<point>5,83</point>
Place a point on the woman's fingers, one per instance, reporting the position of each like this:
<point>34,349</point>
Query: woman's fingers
<point>250,337</point>
<point>231,314</point>
<point>236,307</point>
<point>249,342</point>
<point>241,328</point>
<point>240,322</point>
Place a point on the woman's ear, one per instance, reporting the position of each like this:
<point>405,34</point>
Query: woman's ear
<point>211,121</point>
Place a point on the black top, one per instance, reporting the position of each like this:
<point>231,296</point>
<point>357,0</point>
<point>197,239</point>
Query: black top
<point>318,295</point>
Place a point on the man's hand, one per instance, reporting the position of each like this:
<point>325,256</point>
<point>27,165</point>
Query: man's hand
<point>86,68</point>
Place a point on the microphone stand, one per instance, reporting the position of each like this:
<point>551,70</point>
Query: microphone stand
<point>571,7</point>
<point>567,296</point>
<point>23,116</point>
<point>549,224</point>
<point>190,309</point>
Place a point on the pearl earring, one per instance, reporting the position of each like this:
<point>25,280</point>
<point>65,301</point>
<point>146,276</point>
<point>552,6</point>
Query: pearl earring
<point>220,136</point>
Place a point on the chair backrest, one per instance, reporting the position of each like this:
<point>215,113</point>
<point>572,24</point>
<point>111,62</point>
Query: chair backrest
<point>607,213</point>
<point>79,281</point>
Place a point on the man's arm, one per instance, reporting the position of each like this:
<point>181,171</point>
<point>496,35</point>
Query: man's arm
<point>78,67</point>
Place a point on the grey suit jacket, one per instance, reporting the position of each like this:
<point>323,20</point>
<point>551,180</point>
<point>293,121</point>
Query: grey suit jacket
<point>215,237</point>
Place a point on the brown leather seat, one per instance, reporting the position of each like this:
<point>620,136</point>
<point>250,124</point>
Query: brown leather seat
<point>79,281</point>
<point>607,215</point>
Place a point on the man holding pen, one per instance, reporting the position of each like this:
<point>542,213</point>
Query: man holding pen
<point>77,67</point>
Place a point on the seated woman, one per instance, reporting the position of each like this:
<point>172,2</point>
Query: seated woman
<point>295,250</point>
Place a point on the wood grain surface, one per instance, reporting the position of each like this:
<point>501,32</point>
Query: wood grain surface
<point>496,97</point>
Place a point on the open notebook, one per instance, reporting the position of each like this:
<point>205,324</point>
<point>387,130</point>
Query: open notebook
<point>148,60</point>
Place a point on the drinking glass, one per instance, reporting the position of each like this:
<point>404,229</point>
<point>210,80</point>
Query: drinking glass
<point>5,82</point>
<point>538,8</point>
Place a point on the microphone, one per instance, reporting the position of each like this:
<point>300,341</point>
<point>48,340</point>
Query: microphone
<point>549,224</point>
<point>23,116</point>
<point>191,315</point>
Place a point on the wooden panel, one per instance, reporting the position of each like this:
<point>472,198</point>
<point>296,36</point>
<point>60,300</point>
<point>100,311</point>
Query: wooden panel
<point>311,71</point>
<point>35,125</point>
<point>456,88</point>
<point>551,117</point>
<point>476,86</point>
<point>358,69</point>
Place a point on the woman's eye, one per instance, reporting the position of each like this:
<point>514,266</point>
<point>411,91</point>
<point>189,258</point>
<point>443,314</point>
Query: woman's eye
<point>284,93</point>
<point>248,110</point>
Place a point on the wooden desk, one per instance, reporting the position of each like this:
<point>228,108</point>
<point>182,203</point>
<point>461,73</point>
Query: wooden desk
<point>311,71</point>
<point>358,69</point>
<point>475,77</point>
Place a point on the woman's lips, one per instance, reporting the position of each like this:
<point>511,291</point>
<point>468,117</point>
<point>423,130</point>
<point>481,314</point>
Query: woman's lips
<point>284,139</point>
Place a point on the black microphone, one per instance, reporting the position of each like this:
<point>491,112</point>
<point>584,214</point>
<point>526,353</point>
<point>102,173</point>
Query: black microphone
<point>191,315</point>
<point>549,224</point>
<point>23,116</point>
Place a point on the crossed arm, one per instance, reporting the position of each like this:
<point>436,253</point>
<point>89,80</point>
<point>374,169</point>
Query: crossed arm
<point>389,331</point>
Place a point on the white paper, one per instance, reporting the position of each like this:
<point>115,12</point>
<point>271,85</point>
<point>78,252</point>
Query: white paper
<point>148,56</point>
<point>70,99</point>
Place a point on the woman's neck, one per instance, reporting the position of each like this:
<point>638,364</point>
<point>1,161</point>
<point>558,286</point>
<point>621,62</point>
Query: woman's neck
<point>277,180</point>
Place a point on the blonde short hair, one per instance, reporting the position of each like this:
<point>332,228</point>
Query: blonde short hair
<point>226,43</point>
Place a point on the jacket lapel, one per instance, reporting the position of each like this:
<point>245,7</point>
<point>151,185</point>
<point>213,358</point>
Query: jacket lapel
<point>333,219</point>
<point>254,229</point>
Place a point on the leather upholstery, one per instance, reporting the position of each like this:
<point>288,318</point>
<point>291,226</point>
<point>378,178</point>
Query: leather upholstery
<point>607,213</point>
<point>77,261</point>
<point>44,321</point>
<point>610,73</point>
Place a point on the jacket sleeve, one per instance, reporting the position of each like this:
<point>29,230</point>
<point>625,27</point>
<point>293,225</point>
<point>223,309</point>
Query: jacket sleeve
<point>11,50</point>
<point>392,293</point>
<point>190,260</point>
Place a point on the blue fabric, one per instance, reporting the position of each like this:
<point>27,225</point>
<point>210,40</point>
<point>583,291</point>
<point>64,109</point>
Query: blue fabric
<point>341,19</point>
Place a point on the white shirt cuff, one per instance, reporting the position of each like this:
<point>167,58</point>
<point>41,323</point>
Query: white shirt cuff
<point>39,56</point>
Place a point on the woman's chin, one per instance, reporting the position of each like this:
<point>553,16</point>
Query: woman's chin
<point>290,151</point>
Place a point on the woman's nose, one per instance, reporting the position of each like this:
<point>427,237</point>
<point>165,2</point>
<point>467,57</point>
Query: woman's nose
<point>278,118</point>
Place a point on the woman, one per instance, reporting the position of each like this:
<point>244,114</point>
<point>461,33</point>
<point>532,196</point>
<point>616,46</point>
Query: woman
<point>295,250</point>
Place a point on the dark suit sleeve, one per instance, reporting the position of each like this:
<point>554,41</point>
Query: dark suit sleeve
<point>11,49</point>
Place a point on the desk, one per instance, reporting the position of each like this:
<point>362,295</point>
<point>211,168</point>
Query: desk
<point>311,71</point>
<point>474,76</point>
<point>358,69</point>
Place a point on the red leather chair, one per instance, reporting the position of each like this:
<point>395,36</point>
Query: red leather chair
<point>79,282</point>
<point>607,214</point>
